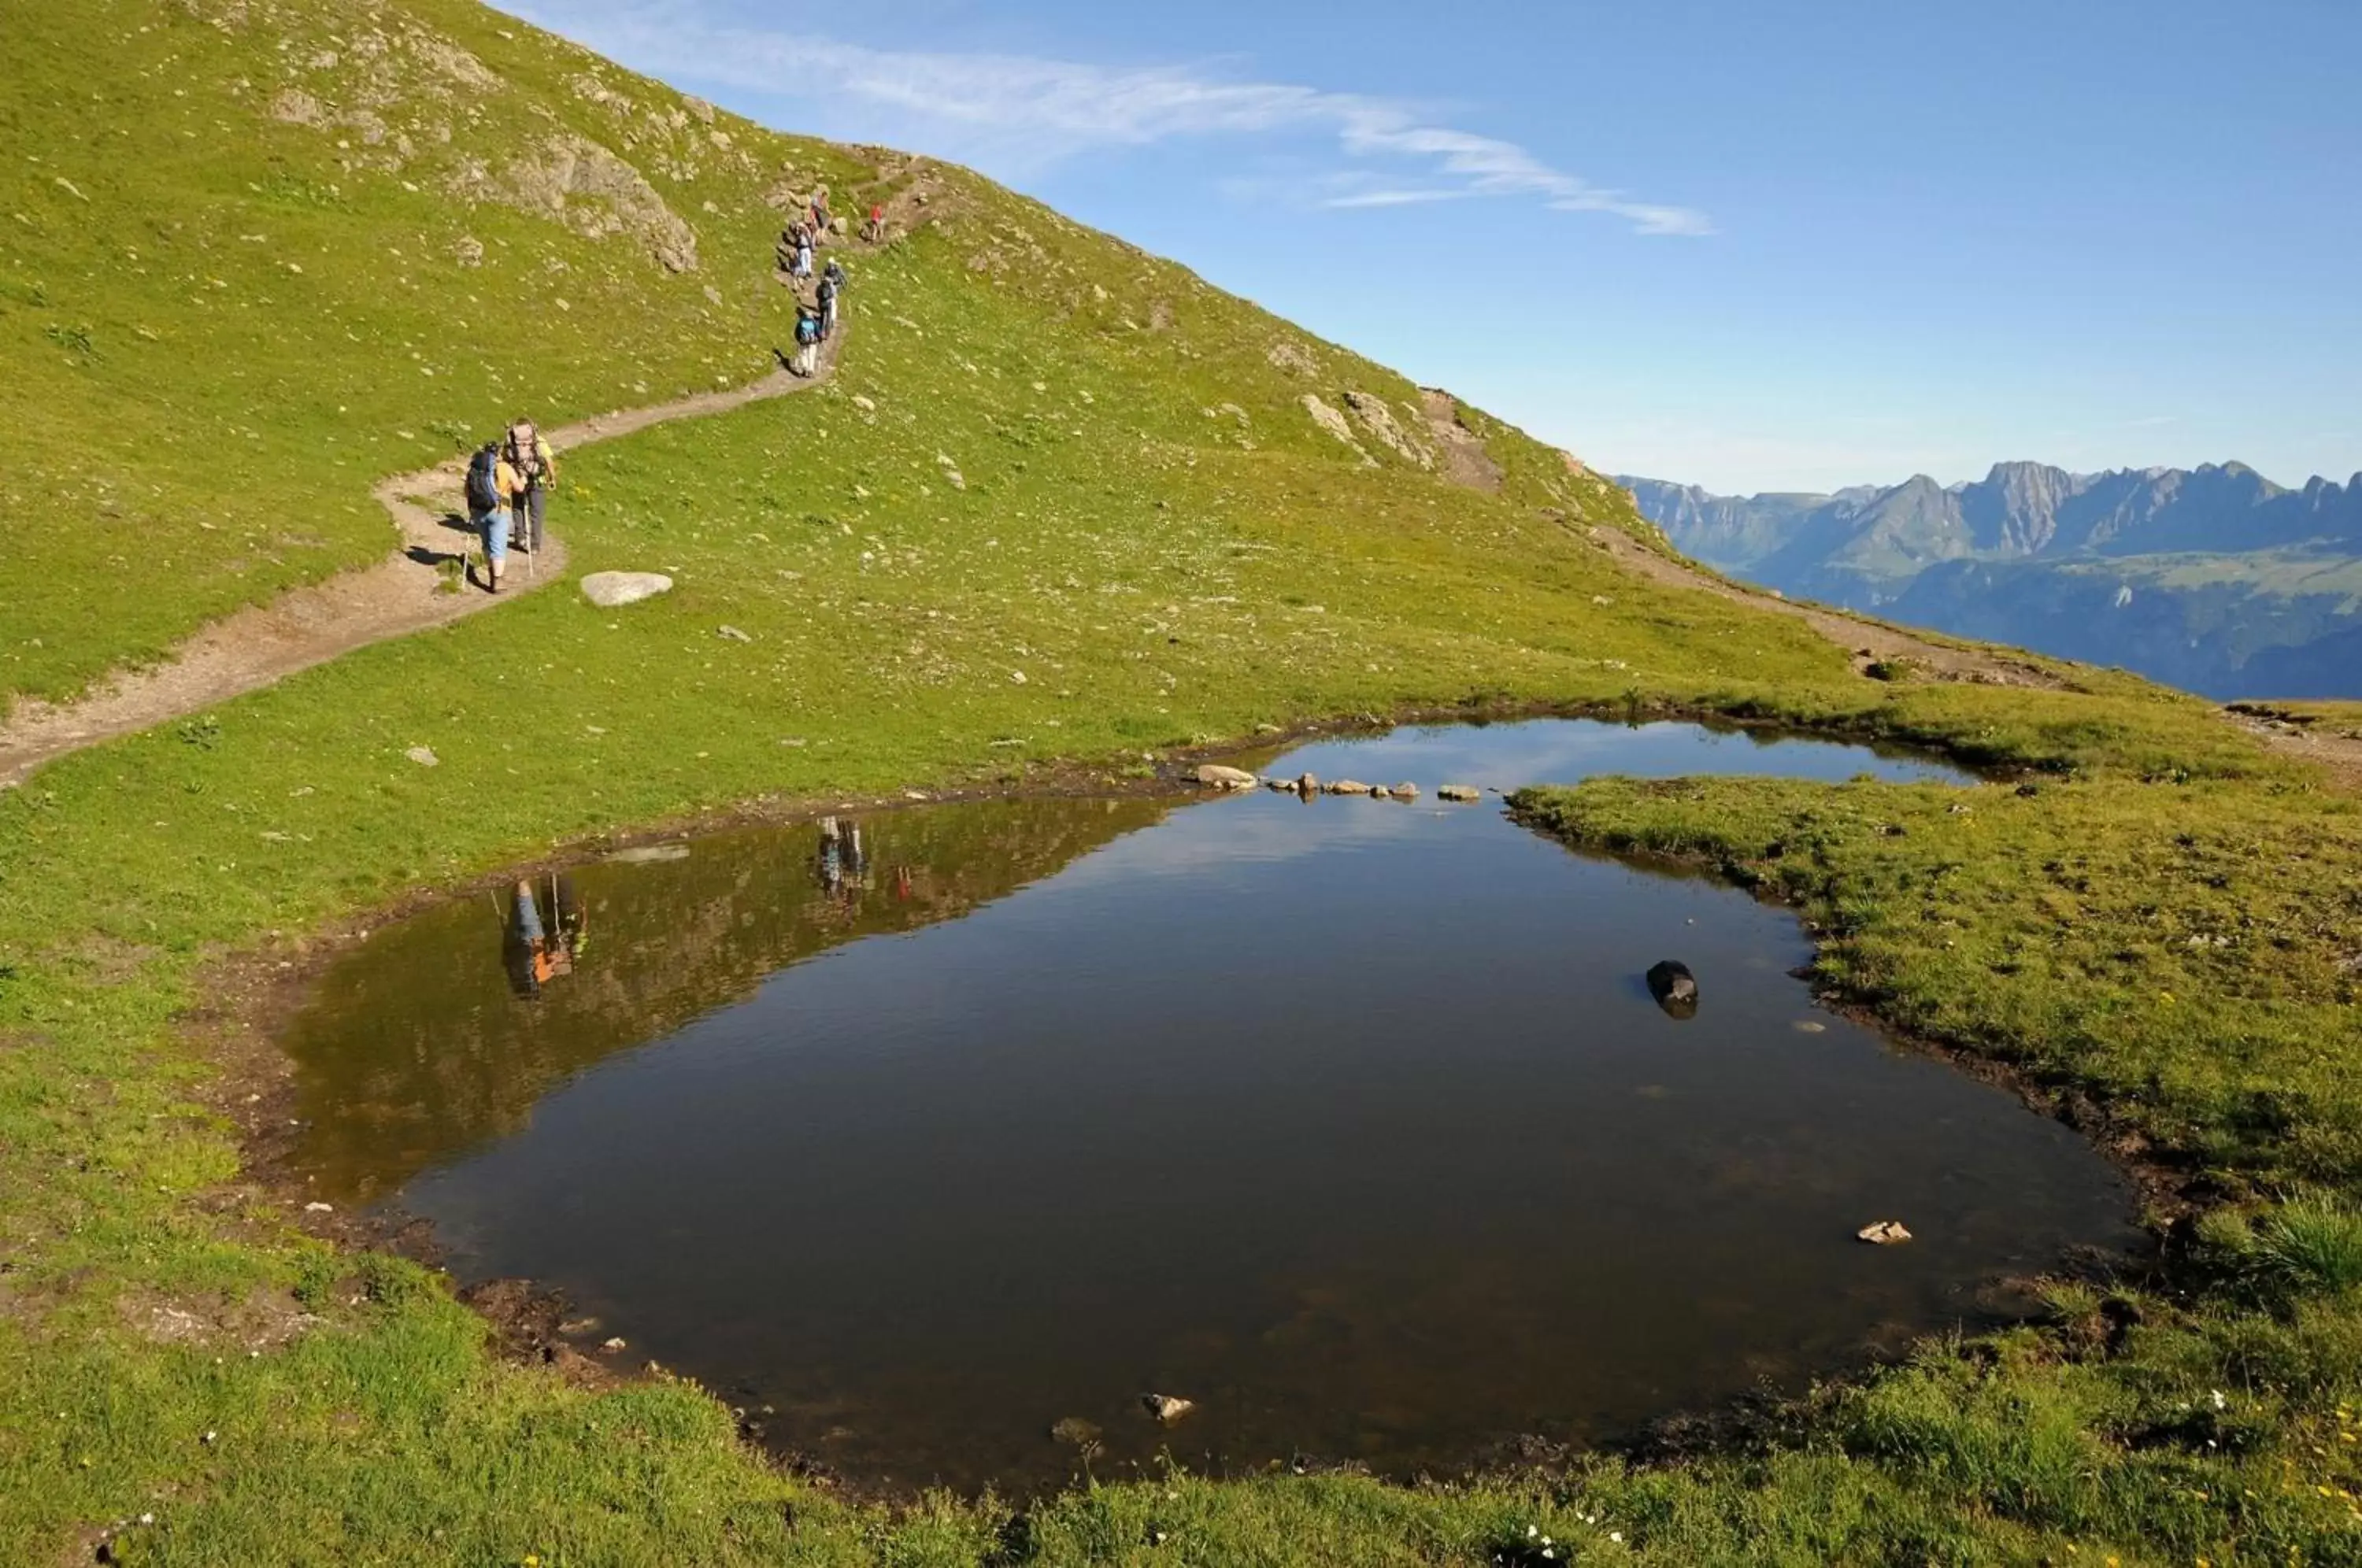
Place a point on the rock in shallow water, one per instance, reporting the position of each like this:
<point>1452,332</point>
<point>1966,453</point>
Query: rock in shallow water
<point>1884,1233</point>
<point>1075,1430</point>
<point>1671,981</point>
<point>1461,792</point>
<point>1214,776</point>
<point>1167,1408</point>
<point>1674,989</point>
<point>611,590</point>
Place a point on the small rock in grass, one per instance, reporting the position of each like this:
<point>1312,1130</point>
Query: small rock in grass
<point>732,634</point>
<point>423,757</point>
<point>319,1209</point>
<point>1884,1233</point>
<point>608,589</point>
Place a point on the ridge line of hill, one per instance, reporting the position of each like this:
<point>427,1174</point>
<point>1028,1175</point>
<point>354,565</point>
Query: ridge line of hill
<point>404,593</point>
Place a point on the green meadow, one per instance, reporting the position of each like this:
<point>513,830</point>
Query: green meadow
<point>1063,510</point>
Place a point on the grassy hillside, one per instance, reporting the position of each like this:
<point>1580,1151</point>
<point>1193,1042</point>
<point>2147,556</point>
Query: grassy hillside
<point>1045,455</point>
<point>262,252</point>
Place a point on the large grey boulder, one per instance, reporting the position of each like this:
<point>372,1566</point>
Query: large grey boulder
<point>611,590</point>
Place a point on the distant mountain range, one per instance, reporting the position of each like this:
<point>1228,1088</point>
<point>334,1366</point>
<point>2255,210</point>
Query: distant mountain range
<point>2214,579</point>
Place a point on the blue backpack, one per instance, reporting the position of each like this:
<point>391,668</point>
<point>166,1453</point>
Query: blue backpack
<point>483,479</point>
<point>807,329</point>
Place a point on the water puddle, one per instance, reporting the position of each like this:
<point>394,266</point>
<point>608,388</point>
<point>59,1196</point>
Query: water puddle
<point>1353,1122</point>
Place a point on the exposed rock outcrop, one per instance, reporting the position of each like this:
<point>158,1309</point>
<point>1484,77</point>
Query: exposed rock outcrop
<point>1336,423</point>
<point>1380,422</point>
<point>580,184</point>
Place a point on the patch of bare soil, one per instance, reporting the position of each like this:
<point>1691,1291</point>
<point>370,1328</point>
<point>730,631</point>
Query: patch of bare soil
<point>1465,461</point>
<point>2303,736</point>
<point>406,593</point>
<point>1870,642</point>
<point>261,1321</point>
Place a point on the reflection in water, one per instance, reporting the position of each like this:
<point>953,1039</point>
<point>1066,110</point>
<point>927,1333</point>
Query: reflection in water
<point>1354,1122</point>
<point>423,1046</point>
<point>536,956</point>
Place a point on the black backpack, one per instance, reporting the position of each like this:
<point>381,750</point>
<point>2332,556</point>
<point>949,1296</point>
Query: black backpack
<point>483,478</point>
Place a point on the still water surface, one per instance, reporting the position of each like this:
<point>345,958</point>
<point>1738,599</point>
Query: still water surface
<point>1352,1121</point>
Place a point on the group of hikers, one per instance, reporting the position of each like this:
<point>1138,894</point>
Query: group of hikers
<point>509,483</point>
<point>509,479</point>
<point>816,311</point>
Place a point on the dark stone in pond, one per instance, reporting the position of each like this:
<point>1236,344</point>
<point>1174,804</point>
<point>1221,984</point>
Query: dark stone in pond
<point>1674,987</point>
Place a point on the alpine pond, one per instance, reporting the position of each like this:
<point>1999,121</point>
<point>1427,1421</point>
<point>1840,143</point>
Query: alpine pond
<point>938,1139</point>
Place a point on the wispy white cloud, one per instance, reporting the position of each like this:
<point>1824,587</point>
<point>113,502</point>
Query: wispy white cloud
<point>1034,111</point>
<point>1393,198</point>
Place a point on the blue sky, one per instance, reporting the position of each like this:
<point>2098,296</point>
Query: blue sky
<point>1756,245</point>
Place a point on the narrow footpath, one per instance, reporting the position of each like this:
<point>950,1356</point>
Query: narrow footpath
<point>406,593</point>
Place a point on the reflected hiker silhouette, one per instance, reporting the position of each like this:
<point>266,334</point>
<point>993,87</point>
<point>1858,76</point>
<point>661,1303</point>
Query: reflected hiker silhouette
<point>534,953</point>
<point>843,864</point>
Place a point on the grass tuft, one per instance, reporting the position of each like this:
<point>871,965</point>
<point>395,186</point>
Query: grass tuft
<point>2314,1241</point>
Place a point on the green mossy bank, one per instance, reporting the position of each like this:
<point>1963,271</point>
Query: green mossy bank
<point>257,254</point>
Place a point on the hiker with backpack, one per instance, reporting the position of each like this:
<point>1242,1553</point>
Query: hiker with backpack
<point>807,340</point>
<point>492,487</point>
<point>537,465</point>
<point>803,251</point>
<point>876,233</point>
<point>832,280</point>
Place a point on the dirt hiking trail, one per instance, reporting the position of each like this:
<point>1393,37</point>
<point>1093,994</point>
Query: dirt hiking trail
<point>2300,735</point>
<point>406,593</point>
